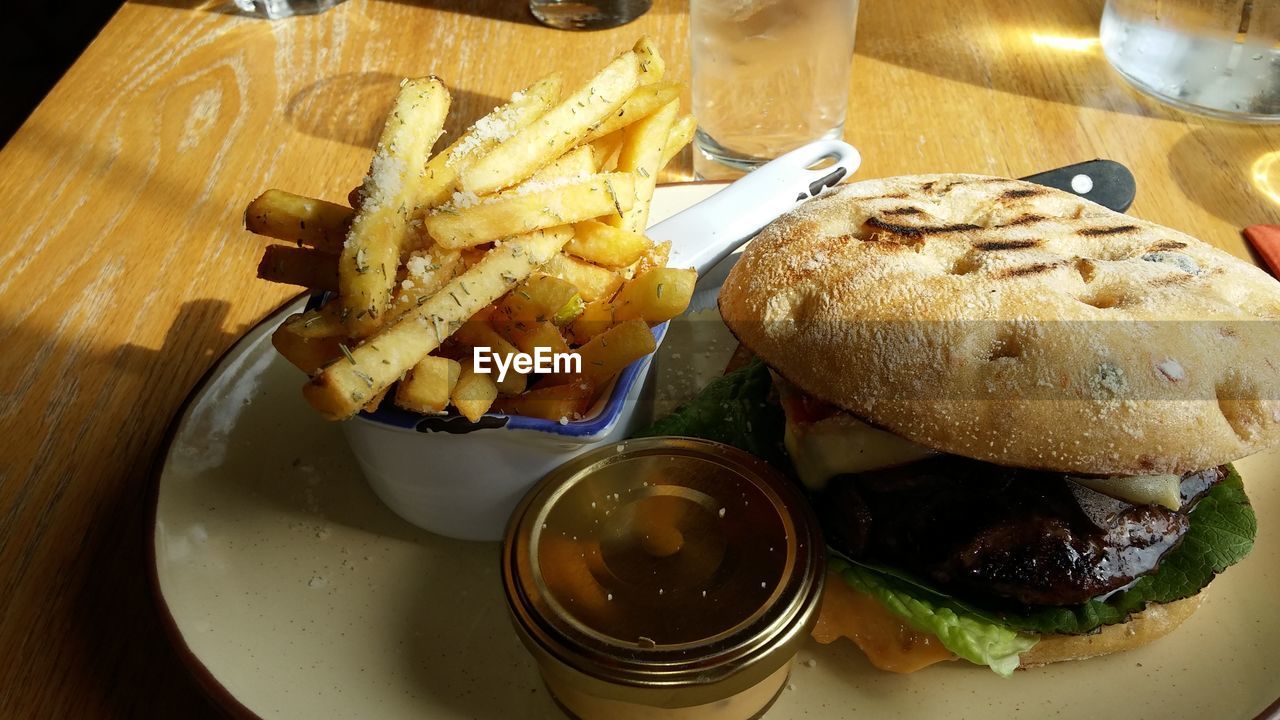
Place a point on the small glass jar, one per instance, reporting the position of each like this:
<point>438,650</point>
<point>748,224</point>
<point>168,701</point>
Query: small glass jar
<point>664,578</point>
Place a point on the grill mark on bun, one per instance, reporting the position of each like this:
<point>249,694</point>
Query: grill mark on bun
<point>1167,245</point>
<point>1025,270</point>
<point>1023,220</point>
<point>1175,278</point>
<point>904,211</point>
<point>1019,193</point>
<point>994,245</point>
<point>917,230</point>
<point>1096,231</point>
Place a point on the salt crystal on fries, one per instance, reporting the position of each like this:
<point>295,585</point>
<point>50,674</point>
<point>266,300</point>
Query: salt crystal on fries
<point>381,227</point>
<point>559,129</point>
<point>486,133</point>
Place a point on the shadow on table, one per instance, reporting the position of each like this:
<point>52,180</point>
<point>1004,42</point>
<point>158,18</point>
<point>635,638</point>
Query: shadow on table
<point>1232,171</point>
<point>92,476</point>
<point>991,44</point>
<point>350,108</point>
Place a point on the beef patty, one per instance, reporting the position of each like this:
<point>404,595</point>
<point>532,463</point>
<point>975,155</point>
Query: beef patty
<point>980,530</point>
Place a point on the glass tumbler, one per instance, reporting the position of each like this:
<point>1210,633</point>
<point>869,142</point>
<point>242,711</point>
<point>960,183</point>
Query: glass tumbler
<point>1215,57</point>
<point>768,77</point>
<point>276,9</point>
<point>587,14</point>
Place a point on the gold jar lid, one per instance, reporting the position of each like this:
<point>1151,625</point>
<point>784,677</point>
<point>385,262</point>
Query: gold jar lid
<point>665,571</point>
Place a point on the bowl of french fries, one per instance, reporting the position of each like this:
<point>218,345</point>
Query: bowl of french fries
<point>450,274</point>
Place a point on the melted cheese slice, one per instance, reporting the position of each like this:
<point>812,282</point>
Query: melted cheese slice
<point>887,640</point>
<point>824,441</point>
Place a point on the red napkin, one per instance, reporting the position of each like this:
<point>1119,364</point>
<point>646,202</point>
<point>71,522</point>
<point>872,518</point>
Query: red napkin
<point>1265,240</point>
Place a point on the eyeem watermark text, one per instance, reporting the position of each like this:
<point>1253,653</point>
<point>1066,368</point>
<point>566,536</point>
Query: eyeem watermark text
<point>543,360</point>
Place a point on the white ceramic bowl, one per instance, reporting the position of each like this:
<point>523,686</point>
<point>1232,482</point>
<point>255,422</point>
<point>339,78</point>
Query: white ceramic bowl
<point>462,479</point>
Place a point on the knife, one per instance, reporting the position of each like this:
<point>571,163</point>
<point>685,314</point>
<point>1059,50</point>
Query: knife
<point>1105,182</point>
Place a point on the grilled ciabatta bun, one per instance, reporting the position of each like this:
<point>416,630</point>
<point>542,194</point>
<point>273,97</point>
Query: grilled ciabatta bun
<point>1016,324</point>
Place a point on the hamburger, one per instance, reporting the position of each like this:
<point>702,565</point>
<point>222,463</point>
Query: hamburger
<point>1015,412</point>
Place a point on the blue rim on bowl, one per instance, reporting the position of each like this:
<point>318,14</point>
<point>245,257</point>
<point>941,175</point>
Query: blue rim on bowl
<point>391,415</point>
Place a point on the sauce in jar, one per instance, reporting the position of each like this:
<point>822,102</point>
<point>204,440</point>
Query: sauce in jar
<point>664,578</point>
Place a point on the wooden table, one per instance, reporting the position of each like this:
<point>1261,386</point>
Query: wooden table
<point>126,271</point>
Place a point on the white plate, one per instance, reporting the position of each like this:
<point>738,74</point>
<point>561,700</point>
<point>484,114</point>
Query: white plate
<point>294,594</point>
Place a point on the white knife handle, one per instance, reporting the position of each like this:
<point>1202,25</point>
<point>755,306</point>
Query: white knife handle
<point>706,233</point>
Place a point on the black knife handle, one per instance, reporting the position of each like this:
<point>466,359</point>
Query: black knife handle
<point>1105,182</point>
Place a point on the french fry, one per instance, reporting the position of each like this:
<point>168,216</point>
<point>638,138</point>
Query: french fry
<point>652,66</point>
<point>541,297</point>
<point>596,317</point>
<point>611,351</point>
<point>322,322</point>
<point>380,228</point>
<point>559,129</point>
<point>306,354</point>
<point>376,401</point>
<point>297,218</point>
<point>474,392</point>
<point>593,282</point>
<point>426,271</point>
<point>525,210</point>
<point>478,333</point>
<point>555,402</point>
<point>641,154</point>
<point>681,134</point>
<point>656,257</point>
<point>427,387</point>
<point>575,163</point>
<point>606,245</point>
<point>305,267</point>
<point>485,134</point>
<point>604,151</point>
<point>655,296</point>
<point>341,388</point>
<point>538,335</point>
<point>473,255</point>
<point>645,101</point>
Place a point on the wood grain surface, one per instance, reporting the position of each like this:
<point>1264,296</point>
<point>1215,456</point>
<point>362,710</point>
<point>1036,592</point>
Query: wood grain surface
<point>124,269</point>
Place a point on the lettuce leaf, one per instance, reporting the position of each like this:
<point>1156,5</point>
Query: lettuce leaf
<point>968,635</point>
<point>735,409</point>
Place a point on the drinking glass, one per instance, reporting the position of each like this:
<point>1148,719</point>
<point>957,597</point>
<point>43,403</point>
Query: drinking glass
<point>276,9</point>
<point>768,77</point>
<point>587,14</point>
<point>1215,57</point>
